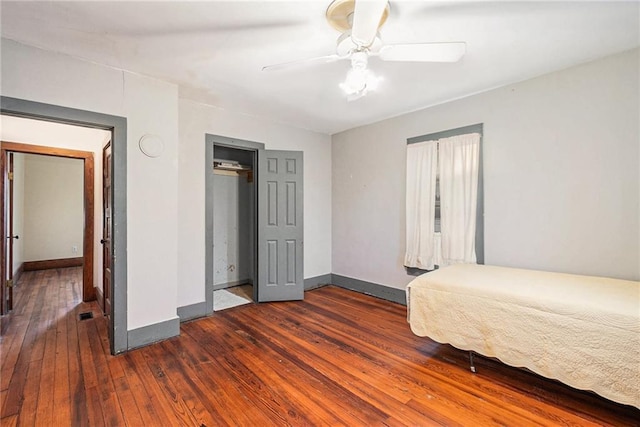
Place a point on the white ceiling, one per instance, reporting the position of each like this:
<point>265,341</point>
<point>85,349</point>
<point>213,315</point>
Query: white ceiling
<point>215,50</point>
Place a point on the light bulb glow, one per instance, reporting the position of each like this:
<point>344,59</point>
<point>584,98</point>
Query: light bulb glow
<point>359,81</point>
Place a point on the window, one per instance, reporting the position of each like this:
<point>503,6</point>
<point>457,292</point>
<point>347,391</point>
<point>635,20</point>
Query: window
<point>444,199</point>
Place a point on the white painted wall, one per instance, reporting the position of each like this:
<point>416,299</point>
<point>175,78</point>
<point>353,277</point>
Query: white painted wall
<point>195,121</point>
<point>561,176</point>
<point>47,134</point>
<point>18,209</point>
<point>53,207</point>
<point>151,107</point>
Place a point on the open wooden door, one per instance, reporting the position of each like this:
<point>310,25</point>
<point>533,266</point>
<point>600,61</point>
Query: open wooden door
<point>106,231</point>
<point>10,235</point>
<point>280,228</point>
<point>3,232</point>
<point>6,219</point>
<point>6,236</point>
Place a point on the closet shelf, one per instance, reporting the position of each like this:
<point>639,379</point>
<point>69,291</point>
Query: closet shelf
<point>232,169</point>
<point>230,166</point>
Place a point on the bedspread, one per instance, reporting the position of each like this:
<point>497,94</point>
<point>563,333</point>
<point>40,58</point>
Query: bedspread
<point>581,330</point>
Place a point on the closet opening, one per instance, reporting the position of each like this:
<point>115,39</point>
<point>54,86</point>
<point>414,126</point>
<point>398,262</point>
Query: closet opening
<point>234,227</point>
<point>254,235</point>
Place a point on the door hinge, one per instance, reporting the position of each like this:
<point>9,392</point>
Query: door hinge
<point>9,283</point>
<point>10,176</point>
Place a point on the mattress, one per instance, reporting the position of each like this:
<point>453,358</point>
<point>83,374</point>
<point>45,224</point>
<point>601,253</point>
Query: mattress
<point>583,331</point>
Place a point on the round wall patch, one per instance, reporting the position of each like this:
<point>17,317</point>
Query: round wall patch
<point>151,145</point>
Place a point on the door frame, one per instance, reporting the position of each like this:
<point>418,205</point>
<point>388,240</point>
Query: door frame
<point>117,325</point>
<point>210,142</point>
<point>88,290</point>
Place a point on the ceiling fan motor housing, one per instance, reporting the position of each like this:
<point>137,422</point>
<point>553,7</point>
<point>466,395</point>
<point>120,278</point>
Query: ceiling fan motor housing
<point>340,14</point>
<point>346,45</point>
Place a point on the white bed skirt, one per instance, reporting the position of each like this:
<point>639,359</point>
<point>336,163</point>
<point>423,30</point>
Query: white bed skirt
<point>583,331</point>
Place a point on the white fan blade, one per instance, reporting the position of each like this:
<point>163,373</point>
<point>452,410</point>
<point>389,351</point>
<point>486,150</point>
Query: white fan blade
<point>302,62</point>
<point>366,19</point>
<point>424,52</point>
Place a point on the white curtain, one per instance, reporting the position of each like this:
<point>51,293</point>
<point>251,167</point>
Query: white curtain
<point>459,164</point>
<point>422,161</point>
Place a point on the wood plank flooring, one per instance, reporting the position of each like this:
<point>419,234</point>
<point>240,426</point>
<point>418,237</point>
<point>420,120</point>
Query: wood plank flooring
<point>336,358</point>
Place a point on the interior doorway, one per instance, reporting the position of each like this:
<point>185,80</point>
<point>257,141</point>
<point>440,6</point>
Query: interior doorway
<point>117,127</point>
<point>8,150</point>
<point>234,227</point>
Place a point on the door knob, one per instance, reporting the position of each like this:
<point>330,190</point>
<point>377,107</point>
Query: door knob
<point>103,241</point>
<point>13,237</point>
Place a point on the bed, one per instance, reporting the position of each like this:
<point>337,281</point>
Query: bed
<point>583,331</point>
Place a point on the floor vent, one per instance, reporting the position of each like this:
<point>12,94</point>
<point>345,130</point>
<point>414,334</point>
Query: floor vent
<point>85,316</point>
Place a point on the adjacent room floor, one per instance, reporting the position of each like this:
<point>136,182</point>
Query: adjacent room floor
<point>232,297</point>
<point>336,358</point>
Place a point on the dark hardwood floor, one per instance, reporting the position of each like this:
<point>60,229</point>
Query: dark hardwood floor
<point>336,358</point>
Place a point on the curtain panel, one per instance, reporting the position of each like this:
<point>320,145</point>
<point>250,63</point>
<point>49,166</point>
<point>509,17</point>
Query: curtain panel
<point>422,162</point>
<point>459,164</point>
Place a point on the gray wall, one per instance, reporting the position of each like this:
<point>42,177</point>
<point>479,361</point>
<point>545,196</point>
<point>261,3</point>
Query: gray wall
<point>561,161</point>
<point>233,230</point>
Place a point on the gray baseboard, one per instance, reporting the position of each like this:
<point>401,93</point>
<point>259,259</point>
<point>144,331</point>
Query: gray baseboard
<point>368,288</point>
<point>192,311</point>
<point>232,284</point>
<point>317,282</point>
<point>153,333</point>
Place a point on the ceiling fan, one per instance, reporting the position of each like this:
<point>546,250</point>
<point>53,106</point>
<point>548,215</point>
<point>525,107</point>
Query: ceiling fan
<point>359,22</point>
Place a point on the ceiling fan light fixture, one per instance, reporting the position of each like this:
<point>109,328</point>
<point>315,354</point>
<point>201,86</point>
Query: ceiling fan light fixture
<point>360,80</point>
<point>359,22</point>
